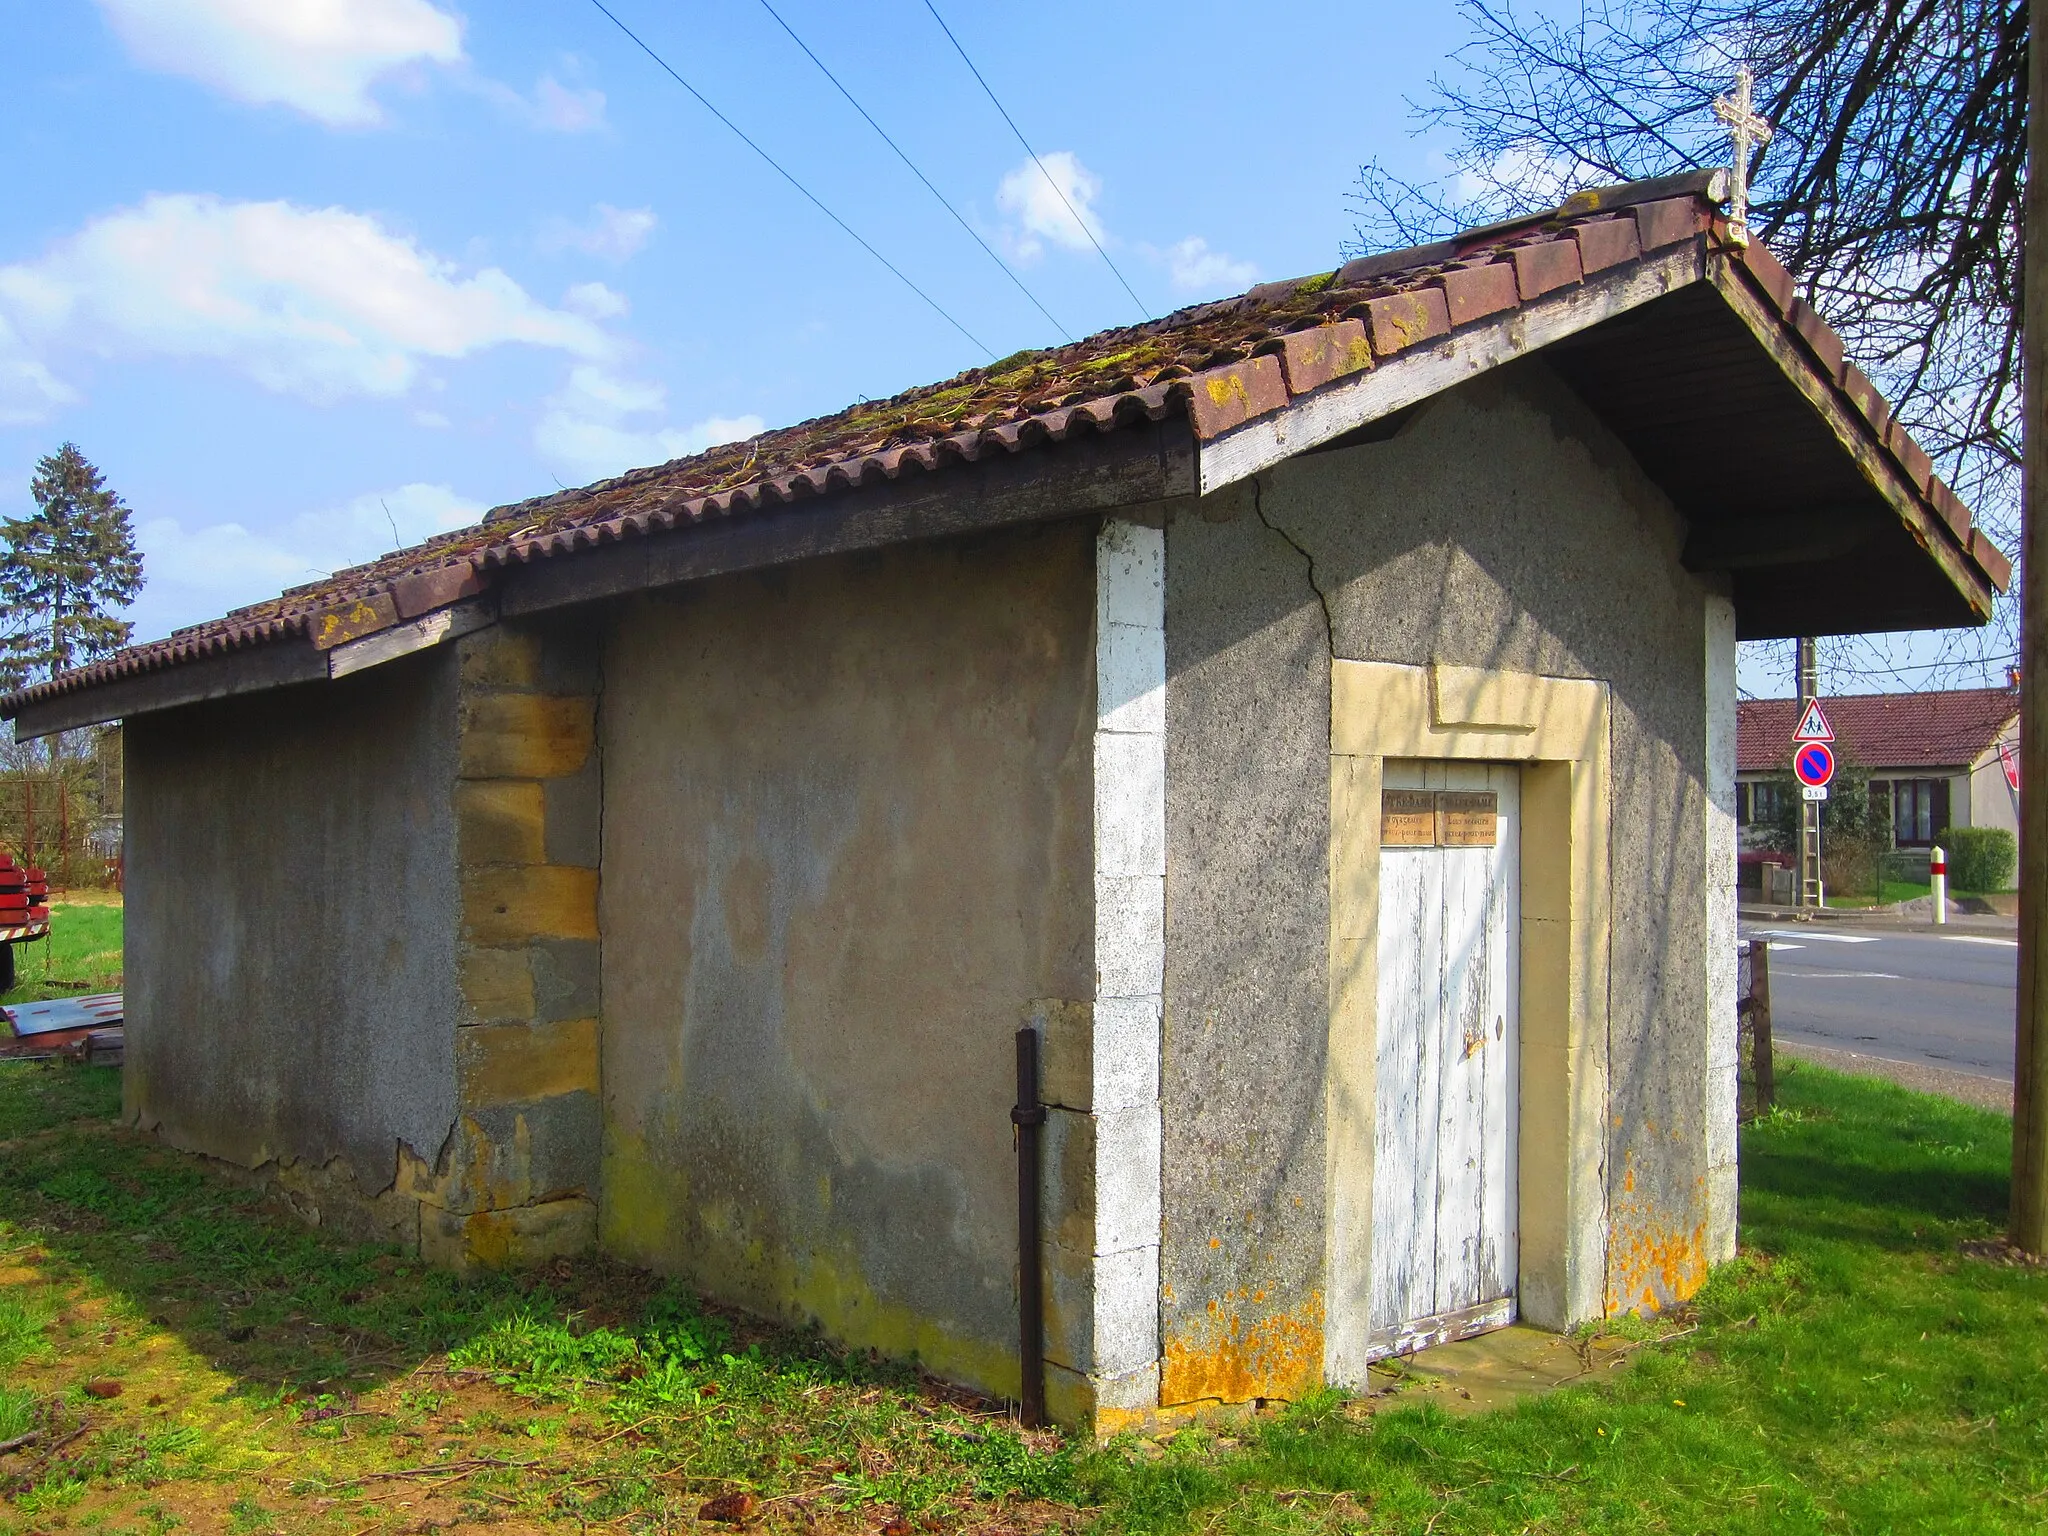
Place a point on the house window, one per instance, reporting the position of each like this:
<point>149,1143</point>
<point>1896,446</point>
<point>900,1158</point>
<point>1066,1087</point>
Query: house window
<point>1919,811</point>
<point>1761,803</point>
<point>1742,817</point>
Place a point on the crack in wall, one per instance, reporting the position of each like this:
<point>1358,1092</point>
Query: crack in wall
<point>1322,597</point>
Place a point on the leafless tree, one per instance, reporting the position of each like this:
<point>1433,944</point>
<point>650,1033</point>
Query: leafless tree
<point>1891,189</point>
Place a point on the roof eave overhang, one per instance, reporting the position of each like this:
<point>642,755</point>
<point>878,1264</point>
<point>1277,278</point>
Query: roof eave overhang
<point>1133,466</point>
<point>1890,468</point>
<point>1245,450</point>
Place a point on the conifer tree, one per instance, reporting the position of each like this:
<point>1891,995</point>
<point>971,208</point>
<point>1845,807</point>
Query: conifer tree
<point>65,571</point>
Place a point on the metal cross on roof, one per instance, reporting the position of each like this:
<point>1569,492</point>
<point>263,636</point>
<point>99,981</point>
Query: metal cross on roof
<point>1749,130</point>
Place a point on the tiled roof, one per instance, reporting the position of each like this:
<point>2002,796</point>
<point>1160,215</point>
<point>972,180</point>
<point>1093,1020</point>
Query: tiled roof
<point>1948,729</point>
<point>1218,364</point>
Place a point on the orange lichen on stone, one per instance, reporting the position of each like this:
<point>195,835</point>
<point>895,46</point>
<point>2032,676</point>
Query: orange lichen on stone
<point>1233,1359</point>
<point>1653,1260</point>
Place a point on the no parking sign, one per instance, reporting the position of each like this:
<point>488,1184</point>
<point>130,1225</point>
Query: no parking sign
<point>1814,765</point>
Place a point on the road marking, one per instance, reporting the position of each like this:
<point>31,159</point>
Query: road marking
<point>1823,938</point>
<point>1839,976</point>
<point>1978,938</point>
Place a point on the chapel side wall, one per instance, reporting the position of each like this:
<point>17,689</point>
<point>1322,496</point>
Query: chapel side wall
<point>291,933</point>
<point>1503,528</point>
<point>848,833</point>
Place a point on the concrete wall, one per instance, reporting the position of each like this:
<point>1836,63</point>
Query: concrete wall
<point>291,930</point>
<point>847,842</point>
<point>1502,528</point>
<point>1984,799</point>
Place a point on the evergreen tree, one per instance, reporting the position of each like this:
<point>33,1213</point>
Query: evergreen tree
<point>64,572</point>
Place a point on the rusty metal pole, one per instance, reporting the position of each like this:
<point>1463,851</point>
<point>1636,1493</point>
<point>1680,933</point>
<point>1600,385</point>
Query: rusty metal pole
<point>2030,1075</point>
<point>1029,1116</point>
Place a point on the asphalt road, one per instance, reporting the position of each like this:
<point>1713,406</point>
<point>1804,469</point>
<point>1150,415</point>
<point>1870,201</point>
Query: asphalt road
<point>1942,1000</point>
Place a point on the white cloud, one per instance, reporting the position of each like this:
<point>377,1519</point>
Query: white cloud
<point>565,109</point>
<point>595,300</point>
<point>1196,270</point>
<point>611,233</point>
<point>1038,213</point>
<point>318,302</point>
<point>195,574</point>
<point>320,56</point>
<point>591,427</point>
<point>28,390</point>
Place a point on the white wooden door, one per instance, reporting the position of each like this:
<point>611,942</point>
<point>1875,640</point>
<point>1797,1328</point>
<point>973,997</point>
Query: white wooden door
<point>1444,1219</point>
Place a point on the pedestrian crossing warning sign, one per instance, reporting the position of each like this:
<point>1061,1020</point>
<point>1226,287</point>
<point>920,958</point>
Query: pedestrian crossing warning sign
<point>1813,725</point>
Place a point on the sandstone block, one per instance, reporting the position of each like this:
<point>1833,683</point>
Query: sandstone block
<point>525,735</point>
<point>505,1063</point>
<point>500,821</point>
<point>511,904</point>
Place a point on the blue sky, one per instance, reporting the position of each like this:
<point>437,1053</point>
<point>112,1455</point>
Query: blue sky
<point>302,274</point>
<point>309,278</point>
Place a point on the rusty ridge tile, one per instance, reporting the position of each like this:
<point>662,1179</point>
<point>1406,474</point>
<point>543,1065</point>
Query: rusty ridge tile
<point>1668,222</point>
<point>1401,320</point>
<point>1864,396</point>
<point>1990,559</point>
<point>1473,293</point>
<point>1605,243</point>
<point>352,620</point>
<point>1769,274</point>
<point>1951,508</point>
<point>1911,456</point>
<point>1546,267</point>
<point>1314,357</point>
<point>1818,335</point>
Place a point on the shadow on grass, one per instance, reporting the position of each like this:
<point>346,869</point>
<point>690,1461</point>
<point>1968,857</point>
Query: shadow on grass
<point>259,1296</point>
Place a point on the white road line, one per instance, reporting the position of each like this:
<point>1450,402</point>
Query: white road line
<point>1823,938</point>
<point>1837,976</point>
<point>1972,938</point>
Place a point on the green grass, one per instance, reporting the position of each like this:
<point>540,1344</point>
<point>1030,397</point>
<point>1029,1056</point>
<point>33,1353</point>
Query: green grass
<point>82,955</point>
<point>1859,1369</point>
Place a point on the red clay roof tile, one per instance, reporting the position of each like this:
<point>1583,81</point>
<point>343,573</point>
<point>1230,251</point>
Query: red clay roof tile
<point>1380,305</point>
<point>1473,293</point>
<point>1545,267</point>
<point>1950,728</point>
<point>1312,358</point>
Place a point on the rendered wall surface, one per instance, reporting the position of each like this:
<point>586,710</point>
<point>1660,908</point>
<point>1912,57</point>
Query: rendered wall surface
<point>847,852</point>
<point>291,928</point>
<point>1502,528</point>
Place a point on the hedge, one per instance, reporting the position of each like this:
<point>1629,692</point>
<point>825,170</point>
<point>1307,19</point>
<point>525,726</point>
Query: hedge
<point>1980,858</point>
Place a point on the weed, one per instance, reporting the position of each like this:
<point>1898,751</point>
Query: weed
<point>1856,1368</point>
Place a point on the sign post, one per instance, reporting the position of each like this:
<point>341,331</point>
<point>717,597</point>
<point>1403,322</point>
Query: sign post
<point>1813,730</point>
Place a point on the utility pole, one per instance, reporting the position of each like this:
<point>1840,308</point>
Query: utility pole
<point>2030,1076</point>
<point>1810,891</point>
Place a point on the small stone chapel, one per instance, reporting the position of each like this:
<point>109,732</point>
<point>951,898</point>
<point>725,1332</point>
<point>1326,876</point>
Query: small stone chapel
<point>1313,713</point>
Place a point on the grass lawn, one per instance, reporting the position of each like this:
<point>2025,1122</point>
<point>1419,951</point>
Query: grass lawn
<point>82,954</point>
<point>187,1358</point>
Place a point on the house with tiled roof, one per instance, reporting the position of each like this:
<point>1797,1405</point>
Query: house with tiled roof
<point>1307,722</point>
<point>1937,759</point>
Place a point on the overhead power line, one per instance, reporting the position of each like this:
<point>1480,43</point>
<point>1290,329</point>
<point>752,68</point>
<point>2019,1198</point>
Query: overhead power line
<point>1056,187</point>
<point>920,175</point>
<point>777,166</point>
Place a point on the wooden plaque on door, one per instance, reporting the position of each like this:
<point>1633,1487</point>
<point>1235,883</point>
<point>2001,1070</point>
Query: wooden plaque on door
<point>1468,819</point>
<point>1407,818</point>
